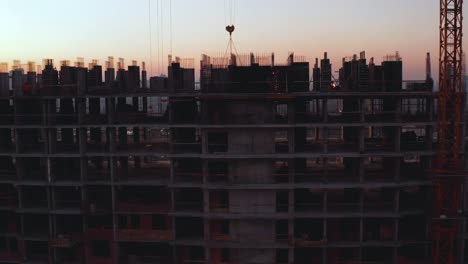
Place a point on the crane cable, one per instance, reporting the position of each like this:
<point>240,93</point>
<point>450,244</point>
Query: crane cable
<point>150,38</point>
<point>170,26</point>
<point>162,37</point>
<point>157,36</point>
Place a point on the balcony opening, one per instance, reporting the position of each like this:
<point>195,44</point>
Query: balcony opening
<point>378,229</point>
<point>413,254</point>
<point>377,255</point>
<point>67,140</point>
<point>343,255</point>
<point>308,232</point>
<point>100,222</point>
<point>188,199</point>
<point>97,139</point>
<point>190,254</point>
<point>306,200</point>
<point>309,170</point>
<point>219,201</point>
<point>100,248</point>
<point>159,222</point>
<point>220,230</point>
<point>308,140</point>
<point>379,199</point>
<point>189,228</point>
<point>343,170</point>
<point>36,226</point>
<point>344,200</point>
<point>217,142</point>
<point>99,200</point>
<point>343,230</point>
<point>66,169</point>
<point>8,197</point>
<point>414,198</point>
<point>68,198</point>
<point>142,199</point>
<point>281,113</point>
<point>218,172</point>
<point>98,169</point>
<point>30,140</point>
<point>282,201</point>
<point>34,197</point>
<point>282,233</point>
<point>32,169</point>
<point>137,252</point>
<point>37,251</point>
<point>281,141</point>
<point>8,170</point>
<point>188,171</point>
<point>67,225</point>
<point>414,109</point>
<point>185,110</point>
<point>308,255</point>
<point>186,140</point>
<point>414,139</point>
<point>413,229</point>
<point>309,111</point>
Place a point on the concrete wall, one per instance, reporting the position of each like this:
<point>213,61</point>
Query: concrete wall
<point>251,112</point>
<point>249,171</point>
<point>259,141</point>
<point>253,230</point>
<point>252,201</point>
<point>248,256</point>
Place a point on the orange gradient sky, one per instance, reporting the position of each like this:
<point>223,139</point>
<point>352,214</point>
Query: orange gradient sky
<point>95,29</point>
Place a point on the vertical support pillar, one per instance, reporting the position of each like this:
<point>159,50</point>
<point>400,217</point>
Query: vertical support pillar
<point>114,243</point>
<point>361,133</point>
<point>325,110</point>
<point>397,139</point>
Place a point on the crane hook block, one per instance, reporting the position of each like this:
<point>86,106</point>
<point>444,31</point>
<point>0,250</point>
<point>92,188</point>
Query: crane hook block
<point>230,29</point>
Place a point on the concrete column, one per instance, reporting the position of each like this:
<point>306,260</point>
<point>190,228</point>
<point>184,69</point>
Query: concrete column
<point>398,110</point>
<point>114,244</point>
<point>112,140</point>
<point>204,141</point>
<point>361,133</point>
<point>361,231</point>
<point>206,221</point>
<point>82,137</point>
<point>291,240</point>
<point>361,170</point>
<point>110,109</point>
<point>325,139</point>
<point>291,202</point>
<point>17,144</point>
<point>398,139</point>
<point>362,116</point>
<point>325,205</point>
<point>291,113</point>
<point>397,210</point>
<point>324,255</point>
<point>84,168</point>
<point>291,139</point>
<point>397,170</point>
<point>428,137</point>
<point>430,108</point>
<point>325,110</point>
<point>52,140</point>
<point>81,106</point>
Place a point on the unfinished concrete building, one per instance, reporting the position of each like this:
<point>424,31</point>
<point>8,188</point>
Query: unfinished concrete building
<point>255,164</point>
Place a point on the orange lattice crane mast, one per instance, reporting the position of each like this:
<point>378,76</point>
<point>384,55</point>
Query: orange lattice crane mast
<point>448,169</point>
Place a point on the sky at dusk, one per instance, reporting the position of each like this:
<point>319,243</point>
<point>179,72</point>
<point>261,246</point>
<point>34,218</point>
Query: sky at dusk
<point>95,29</point>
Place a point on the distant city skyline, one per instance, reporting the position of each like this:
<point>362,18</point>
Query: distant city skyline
<point>64,30</point>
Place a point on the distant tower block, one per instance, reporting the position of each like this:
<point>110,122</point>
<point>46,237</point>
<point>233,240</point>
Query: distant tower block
<point>4,80</point>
